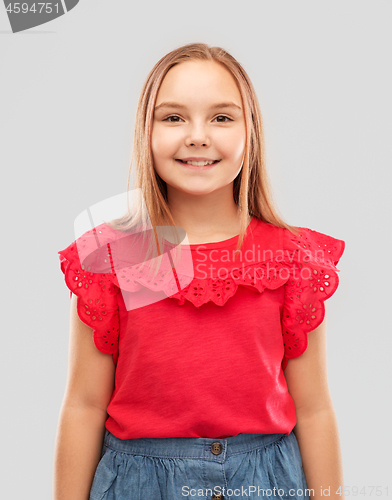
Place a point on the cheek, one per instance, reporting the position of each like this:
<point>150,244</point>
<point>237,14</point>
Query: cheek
<point>233,145</point>
<point>155,143</point>
<point>234,148</point>
<point>162,144</point>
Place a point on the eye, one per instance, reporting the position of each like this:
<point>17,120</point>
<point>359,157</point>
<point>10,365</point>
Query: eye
<point>222,116</point>
<point>172,116</point>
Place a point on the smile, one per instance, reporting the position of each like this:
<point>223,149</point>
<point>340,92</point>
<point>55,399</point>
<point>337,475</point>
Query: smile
<point>198,164</point>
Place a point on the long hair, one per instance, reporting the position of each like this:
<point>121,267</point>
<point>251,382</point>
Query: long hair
<point>251,188</point>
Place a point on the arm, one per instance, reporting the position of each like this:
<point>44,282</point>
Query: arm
<point>316,429</point>
<point>83,414</point>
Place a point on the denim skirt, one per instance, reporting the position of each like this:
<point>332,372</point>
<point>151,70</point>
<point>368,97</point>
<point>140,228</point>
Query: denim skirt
<point>242,466</point>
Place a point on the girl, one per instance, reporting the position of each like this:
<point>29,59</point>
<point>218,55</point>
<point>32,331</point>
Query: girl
<point>199,379</point>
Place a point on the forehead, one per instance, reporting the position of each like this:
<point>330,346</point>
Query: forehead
<point>195,80</point>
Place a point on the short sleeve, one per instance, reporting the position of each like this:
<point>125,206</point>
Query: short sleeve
<point>97,304</point>
<point>312,258</point>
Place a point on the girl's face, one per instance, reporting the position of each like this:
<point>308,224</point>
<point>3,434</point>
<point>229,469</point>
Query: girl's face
<point>198,116</point>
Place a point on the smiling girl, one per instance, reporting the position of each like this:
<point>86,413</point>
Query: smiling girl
<point>214,389</point>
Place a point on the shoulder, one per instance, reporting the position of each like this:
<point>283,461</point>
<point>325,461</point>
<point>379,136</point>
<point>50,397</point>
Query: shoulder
<point>301,238</point>
<point>311,246</point>
<point>95,248</point>
<point>266,234</point>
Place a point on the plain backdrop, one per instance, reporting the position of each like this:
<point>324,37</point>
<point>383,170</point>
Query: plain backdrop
<point>69,91</point>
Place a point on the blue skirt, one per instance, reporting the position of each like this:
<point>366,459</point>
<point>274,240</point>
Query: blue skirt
<point>243,466</point>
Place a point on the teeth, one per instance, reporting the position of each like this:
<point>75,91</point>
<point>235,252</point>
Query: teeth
<point>199,163</point>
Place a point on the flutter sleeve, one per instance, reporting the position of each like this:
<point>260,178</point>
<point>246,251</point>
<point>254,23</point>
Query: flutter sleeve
<point>311,258</point>
<point>96,292</point>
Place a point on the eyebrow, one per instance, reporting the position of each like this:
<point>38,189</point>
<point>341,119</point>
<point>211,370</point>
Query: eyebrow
<point>181,106</point>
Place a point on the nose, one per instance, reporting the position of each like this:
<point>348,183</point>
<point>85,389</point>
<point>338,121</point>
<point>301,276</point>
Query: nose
<point>198,136</point>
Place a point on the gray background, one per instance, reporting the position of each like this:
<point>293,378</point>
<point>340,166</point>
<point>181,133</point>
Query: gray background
<point>69,90</point>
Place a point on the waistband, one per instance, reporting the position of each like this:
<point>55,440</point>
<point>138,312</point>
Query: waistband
<point>212,449</point>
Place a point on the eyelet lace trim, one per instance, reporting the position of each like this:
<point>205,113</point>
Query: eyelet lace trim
<point>258,276</point>
<point>199,291</point>
<point>313,279</point>
<point>96,299</point>
<point>320,250</point>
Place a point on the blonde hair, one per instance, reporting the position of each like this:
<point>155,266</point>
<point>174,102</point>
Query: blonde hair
<point>251,189</point>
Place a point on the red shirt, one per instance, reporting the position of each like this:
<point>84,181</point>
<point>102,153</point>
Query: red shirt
<point>205,359</point>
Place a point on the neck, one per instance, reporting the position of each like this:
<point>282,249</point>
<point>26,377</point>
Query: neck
<point>213,216</point>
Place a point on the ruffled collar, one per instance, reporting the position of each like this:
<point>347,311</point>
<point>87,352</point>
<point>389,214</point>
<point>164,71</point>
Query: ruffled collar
<point>206,272</point>
<point>269,257</point>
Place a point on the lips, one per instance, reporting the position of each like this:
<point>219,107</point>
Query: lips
<point>197,167</point>
<point>196,159</point>
<point>184,161</point>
